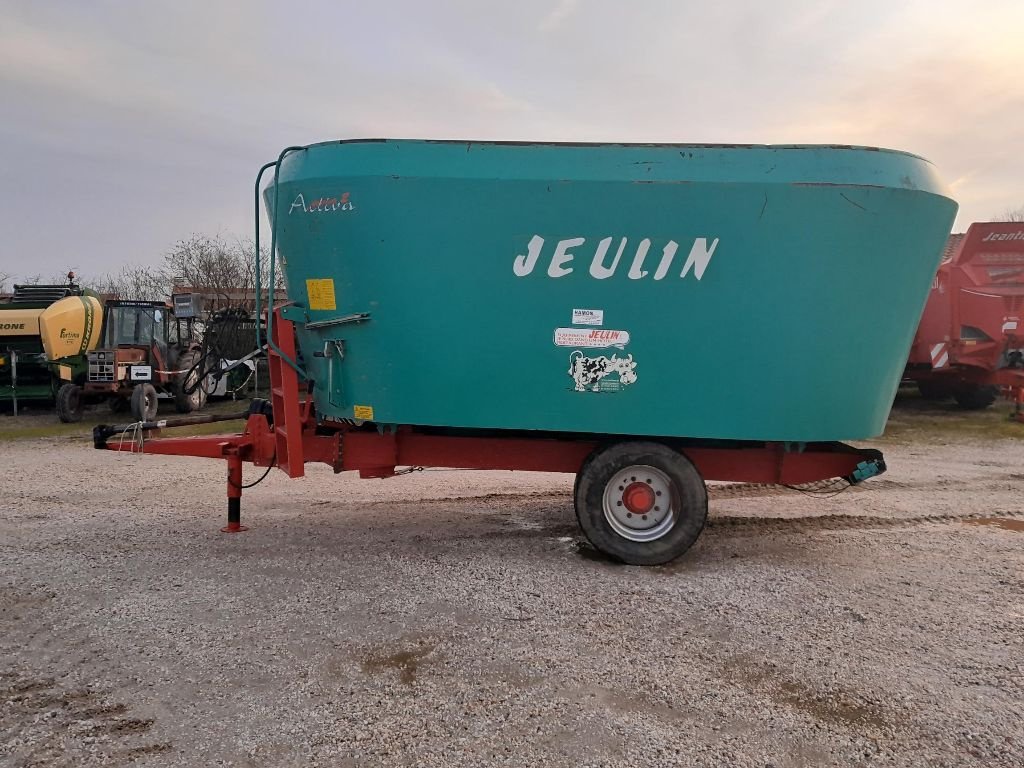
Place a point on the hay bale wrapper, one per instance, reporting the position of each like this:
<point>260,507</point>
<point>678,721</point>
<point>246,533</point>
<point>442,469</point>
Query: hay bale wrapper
<point>648,317</point>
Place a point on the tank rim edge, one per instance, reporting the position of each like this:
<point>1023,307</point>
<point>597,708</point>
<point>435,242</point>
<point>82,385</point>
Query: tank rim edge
<point>649,144</point>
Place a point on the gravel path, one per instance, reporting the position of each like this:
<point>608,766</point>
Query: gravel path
<point>447,618</point>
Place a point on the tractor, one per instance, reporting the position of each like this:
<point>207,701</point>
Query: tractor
<point>147,349</point>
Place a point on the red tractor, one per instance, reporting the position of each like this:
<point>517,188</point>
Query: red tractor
<point>970,342</point>
<point>148,348</point>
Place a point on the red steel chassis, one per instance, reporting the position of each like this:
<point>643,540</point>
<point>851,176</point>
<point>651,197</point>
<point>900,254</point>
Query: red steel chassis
<point>289,436</point>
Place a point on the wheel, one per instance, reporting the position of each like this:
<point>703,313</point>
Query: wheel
<point>185,401</point>
<point>640,502</point>
<point>144,403</point>
<point>976,398</point>
<point>117,404</point>
<point>934,390</point>
<point>69,403</point>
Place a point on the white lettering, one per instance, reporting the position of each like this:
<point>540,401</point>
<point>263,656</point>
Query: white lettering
<point>562,256</point>
<point>699,257</point>
<point>637,271</point>
<point>597,268</point>
<point>323,204</point>
<point>667,254</point>
<point>524,265</point>
<point>300,202</point>
<point>560,263</point>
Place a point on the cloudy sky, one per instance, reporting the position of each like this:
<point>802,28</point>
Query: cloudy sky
<point>129,125</point>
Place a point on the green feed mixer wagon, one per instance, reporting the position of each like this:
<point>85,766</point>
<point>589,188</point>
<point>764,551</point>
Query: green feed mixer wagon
<point>646,317</point>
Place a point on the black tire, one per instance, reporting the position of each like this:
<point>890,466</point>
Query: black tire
<point>69,403</point>
<point>976,398</point>
<point>117,404</point>
<point>672,531</point>
<point>187,402</point>
<point>144,402</point>
<point>934,390</point>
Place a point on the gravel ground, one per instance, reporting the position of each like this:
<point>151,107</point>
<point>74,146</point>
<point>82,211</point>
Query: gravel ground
<point>447,618</point>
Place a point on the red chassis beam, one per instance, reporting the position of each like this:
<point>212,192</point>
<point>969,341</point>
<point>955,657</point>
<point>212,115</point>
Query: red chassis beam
<point>373,454</point>
<point>376,455</point>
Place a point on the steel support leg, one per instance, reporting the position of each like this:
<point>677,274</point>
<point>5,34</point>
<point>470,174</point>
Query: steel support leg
<point>234,496</point>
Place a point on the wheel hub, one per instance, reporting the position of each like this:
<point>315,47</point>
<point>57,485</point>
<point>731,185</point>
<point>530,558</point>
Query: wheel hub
<point>638,498</point>
<point>640,503</point>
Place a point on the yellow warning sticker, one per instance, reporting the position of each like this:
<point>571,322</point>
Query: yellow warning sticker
<point>321,293</point>
<point>364,412</point>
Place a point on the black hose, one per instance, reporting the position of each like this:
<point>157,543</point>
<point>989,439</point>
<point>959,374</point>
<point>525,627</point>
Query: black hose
<point>273,463</point>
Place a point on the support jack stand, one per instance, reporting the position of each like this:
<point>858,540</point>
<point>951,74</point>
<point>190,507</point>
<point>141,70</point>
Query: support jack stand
<point>234,496</point>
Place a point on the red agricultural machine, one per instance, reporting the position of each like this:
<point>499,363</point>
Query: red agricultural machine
<point>970,342</point>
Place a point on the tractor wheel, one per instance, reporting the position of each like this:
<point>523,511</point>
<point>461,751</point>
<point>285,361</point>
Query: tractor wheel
<point>184,401</point>
<point>117,404</point>
<point>69,403</point>
<point>144,402</point>
<point>976,398</point>
<point>934,390</point>
<point>640,502</point>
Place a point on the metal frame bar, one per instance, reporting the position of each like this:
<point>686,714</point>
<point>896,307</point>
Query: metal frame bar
<point>377,455</point>
<point>276,165</point>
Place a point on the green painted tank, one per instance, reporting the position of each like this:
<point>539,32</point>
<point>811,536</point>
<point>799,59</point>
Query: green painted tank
<point>732,292</point>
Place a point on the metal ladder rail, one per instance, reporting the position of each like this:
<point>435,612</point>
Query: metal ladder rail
<point>289,359</point>
<point>284,399</point>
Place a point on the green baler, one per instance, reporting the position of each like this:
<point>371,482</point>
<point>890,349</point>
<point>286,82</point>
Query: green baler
<point>45,331</point>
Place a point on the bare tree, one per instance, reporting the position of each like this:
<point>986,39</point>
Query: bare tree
<point>246,252</point>
<point>224,272</point>
<point>133,283</point>
<point>205,265</point>
<point>1016,214</point>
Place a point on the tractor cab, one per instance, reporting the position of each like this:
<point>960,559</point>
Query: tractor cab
<point>146,351</point>
<point>134,342</point>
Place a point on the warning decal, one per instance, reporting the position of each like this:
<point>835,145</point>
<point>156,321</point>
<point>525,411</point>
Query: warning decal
<point>321,293</point>
<point>590,338</point>
<point>364,412</point>
<point>588,317</point>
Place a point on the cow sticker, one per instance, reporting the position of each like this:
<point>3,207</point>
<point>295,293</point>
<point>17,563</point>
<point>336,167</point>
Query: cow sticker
<point>602,373</point>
